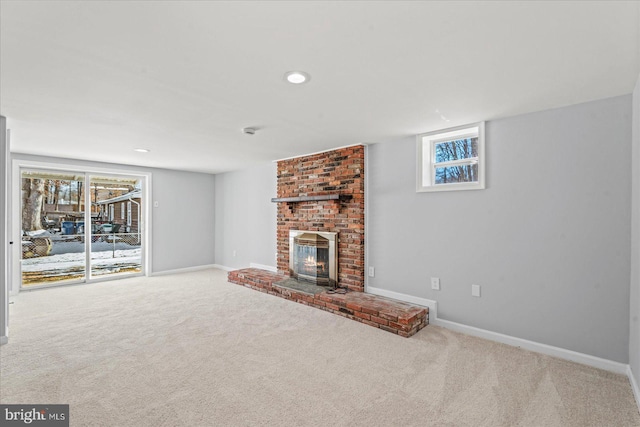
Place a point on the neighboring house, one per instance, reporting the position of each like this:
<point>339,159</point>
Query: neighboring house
<point>124,210</point>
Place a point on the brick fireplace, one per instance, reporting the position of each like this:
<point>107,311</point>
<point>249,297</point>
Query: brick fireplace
<point>324,193</point>
<point>321,209</point>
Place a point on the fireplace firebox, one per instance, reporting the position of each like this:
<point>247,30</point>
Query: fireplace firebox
<point>313,257</point>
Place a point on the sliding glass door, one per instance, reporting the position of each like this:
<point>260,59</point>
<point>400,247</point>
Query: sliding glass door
<point>77,226</point>
<point>116,234</point>
<point>52,207</point>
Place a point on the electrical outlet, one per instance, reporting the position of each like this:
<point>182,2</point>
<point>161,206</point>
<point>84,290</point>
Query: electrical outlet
<point>435,283</point>
<point>372,271</point>
<point>475,290</point>
<point>235,252</point>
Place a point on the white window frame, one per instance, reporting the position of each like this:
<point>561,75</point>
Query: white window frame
<point>426,168</point>
<point>111,212</point>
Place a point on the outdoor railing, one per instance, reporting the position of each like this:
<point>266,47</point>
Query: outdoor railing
<point>115,241</point>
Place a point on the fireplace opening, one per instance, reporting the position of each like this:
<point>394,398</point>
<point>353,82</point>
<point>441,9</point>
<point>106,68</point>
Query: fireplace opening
<point>312,257</point>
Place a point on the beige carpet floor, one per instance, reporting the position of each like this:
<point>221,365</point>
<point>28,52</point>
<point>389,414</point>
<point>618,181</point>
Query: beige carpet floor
<point>194,350</point>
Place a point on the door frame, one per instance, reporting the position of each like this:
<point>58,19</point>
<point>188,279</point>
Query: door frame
<point>16,223</point>
<point>5,234</point>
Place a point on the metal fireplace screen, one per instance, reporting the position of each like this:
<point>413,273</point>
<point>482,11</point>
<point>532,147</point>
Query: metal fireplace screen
<point>313,257</point>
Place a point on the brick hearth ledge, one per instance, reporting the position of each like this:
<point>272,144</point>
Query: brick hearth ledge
<point>387,314</point>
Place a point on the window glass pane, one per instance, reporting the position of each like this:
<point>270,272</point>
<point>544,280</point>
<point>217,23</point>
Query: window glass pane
<point>52,211</point>
<point>116,244</point>
<point>458,149</point>
<point>460,173</point>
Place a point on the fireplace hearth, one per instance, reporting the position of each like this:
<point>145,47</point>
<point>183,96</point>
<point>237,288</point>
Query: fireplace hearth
<point>313,257</point>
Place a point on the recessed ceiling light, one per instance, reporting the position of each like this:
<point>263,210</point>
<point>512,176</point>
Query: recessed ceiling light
<point>141,150</point>
<point>297,77</point>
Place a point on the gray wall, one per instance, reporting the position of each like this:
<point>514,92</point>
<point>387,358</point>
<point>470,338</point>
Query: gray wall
<point>548,240</point>
<point>182,234</point>
<point>183,222</point>
<point>245,217</point>
<point>634,322</point>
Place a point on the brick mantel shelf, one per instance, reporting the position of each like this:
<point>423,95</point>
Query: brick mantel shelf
<point>341,197</point>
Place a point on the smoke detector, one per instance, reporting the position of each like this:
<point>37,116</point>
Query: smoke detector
<point>249,131</point>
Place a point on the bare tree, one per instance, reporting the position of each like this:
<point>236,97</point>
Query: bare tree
<point>457,150</point>
<point>79,184</point>
<point>33,190</point>
<point>56,194</point>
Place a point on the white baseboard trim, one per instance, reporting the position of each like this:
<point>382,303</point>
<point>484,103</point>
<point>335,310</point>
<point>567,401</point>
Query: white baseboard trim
<point>184,270</point>
<point>263,267</point>
<point>549,350</point>
<point>433,305</point>
<point>223,267</point>
<point>4,340</point>
<point>634,385</point>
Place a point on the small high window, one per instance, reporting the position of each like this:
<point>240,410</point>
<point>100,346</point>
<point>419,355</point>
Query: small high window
<point>451,159</point>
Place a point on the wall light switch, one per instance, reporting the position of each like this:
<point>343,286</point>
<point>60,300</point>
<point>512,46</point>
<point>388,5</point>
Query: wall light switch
<point>475,290</point>
<point>372,271</point>
<point>435,283</point>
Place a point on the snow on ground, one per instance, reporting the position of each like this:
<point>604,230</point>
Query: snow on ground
<point>70,255</point>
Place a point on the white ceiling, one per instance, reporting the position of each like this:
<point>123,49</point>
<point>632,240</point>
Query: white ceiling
<point>94,80</point>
